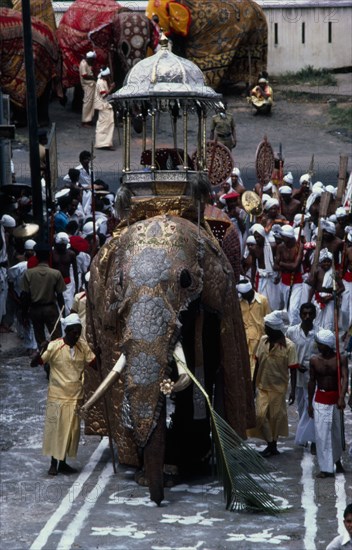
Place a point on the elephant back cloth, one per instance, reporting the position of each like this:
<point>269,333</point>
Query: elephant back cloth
<point>45,54</point>
<point>42,9</point>
<point>228,40</point>
<point>72,34</point>
<point>135,299</point>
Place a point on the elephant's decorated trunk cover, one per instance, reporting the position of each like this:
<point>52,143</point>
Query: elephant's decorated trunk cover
<point>140,283</point>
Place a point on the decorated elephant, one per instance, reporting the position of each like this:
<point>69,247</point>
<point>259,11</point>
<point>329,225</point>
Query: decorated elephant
<point>119,36</point>
<point>12,67</point>
<point>227,39</point>
<point>161,295</point>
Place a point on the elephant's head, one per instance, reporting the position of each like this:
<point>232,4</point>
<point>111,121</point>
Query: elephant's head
<point>158,274</point>
<point>128,35</point>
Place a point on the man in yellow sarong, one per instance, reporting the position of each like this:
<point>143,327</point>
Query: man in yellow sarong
<point>276,356</point>
<point>67,358</point>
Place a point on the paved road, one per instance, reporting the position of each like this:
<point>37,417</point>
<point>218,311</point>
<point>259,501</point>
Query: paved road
<point>97,509</point>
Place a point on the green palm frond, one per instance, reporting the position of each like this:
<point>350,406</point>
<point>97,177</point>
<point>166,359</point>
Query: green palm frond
<point>241,469</point>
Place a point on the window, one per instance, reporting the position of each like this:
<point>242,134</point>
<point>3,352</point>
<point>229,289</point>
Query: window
<point>276,34</point>
<point>303,33</point>
<point>330,32</point>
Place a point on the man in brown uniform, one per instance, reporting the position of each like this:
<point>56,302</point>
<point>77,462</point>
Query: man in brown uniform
<point>223,128</point>
<point>43,289</point>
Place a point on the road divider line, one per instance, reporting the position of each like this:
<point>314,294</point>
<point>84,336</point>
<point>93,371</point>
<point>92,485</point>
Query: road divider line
<point>308,503</point>
<point>68,500</point>
<point>341,501</point>
<point>74,528</point>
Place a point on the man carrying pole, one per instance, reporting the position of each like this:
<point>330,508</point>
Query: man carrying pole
<point>328,376</point>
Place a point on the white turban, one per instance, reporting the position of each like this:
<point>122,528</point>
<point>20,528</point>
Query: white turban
<point>72,319</point>
<point>104,72</point>
<point>298,218</point>
<point>331,189</point>
<point>288,178</point>
<point>277,320</point>
<point>326,337</point>
<point>268,186</point>
<point>87,229</point>
<point>318,185</point>
<point>62,193</point>
<point>29,244</point>
<point>236,171</point>
<point>91,55</point>
<point>325,255</point>
<point>270,203</point>
<point>245,287</point>
<point>328,226</point>
<point>287,231</point>
<point>304,177</point>
<point>62,238</point>
<point>332,218</point>
<point>285,190</point>
<point>251,240</point>
<point>265,198</point>
<point>340,212</point>
<point>276,230</point>
<point>257,227</point>
<point>8,221</point>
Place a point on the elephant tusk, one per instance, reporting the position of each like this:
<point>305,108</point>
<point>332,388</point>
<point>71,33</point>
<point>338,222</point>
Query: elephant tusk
<point>183,380</point>
<point>105,385</point>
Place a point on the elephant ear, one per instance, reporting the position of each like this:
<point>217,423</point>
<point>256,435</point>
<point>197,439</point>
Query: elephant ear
<point>102,37</point>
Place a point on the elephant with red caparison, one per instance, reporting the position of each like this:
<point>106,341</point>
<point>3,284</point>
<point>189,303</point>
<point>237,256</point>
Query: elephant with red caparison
<point>162,292</point>
<point>12,67</point>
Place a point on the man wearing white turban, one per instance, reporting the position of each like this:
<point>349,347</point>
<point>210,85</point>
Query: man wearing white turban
<point>88,82</point>
<point>276,357</point>
<point>346,269</point>
<point>288,261</point>
<point>289,206</point>
<point>104,132</point>
<point>254,307</point>
<point>330,241</point>
<point>65,261</point>
<point>67,358</point>
<point>329,399</point>
<point>321,290</point>
<point>263,276</point>
<point>7,223</point>
<point>272,214</point>
<point>342,221</point>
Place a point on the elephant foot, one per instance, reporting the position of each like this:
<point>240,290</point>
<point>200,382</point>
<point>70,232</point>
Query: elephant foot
<point>141,479</point>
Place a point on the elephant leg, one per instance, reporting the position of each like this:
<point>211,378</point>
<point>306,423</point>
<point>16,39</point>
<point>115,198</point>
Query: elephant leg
<point>153,459</point>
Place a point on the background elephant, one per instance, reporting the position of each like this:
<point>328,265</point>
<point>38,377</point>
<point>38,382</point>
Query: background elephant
<point>227,39</point>
<point>159,282</point>
<point>119,36</point>
<point>12,68</point>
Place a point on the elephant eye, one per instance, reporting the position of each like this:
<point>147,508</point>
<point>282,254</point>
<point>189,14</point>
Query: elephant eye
<point>185,278</point>
<point>119,278</point>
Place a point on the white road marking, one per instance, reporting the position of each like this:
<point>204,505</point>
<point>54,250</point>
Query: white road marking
<point>341,501</point>
<point>308,504</point>
<point>74,528</point>
<point>67,501</point>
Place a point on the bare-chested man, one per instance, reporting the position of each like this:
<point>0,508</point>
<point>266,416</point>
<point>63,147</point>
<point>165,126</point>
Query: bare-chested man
<point>237,183</point>
<point>328,402</point>
<point>288,261</point>
<point>330,241</point>
<point>64,260</point>
<point>303,192</point>
<point>321,283</point>
<point>272,215</point>
<point>346,271</point>
<point>343,220</point>
<point>263,276</point>
<point>289,206</point>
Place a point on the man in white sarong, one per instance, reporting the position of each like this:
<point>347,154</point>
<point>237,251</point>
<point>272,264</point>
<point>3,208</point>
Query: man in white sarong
<point>329,402</point>
<point>276,357</point>
<point>321,283</point>
<point>104,132</point>
<point>303,336</point>
<point>67,358</point>
<point>346,301</point>
<point>6,223</point>
<point>264,279</point>
<point>88,83</point>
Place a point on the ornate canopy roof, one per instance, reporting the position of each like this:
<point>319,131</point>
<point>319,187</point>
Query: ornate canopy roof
<point>165,75</point>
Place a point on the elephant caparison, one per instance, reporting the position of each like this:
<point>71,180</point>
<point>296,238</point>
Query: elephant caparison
<point>157,283</point>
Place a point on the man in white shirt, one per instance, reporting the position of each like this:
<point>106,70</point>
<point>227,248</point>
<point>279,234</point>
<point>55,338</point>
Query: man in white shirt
<point>343,542</point>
